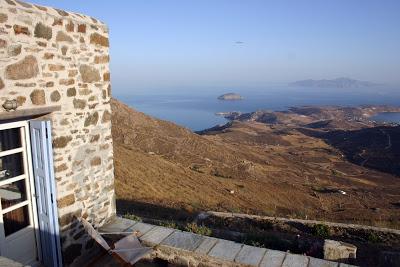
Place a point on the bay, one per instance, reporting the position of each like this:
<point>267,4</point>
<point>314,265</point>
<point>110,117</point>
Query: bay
<point>195,109</point>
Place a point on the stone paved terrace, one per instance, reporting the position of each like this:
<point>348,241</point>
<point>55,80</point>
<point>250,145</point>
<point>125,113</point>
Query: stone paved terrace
<point>188,249</point>
<point>5,262</point>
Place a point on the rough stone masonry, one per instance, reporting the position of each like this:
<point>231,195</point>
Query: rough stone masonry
<point>49,57</point>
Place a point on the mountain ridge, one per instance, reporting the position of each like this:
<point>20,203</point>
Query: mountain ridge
<point>342,82</point>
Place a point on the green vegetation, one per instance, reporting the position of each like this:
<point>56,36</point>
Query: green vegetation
<point>373,238</point>
<point>198,229</point>
<point>318,189</point>
<point>196,168</point>
<point>324,190</point>
<point>321,230</point>
<point>169,224</point>
<point>267,240</point>
<point>235,210</point>
<point>132,217</point>
<point>217,173</point>
<point>255,244</point>
<point>196,206</point>
<point>334,172</point>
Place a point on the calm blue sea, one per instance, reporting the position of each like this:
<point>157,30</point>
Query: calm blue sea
<point>195,109</point>
<point>388,117</point>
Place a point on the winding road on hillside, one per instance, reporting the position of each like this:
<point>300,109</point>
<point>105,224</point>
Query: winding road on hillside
<point>389,144</point>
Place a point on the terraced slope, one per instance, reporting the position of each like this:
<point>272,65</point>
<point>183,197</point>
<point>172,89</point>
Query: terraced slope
<point>163,169</point>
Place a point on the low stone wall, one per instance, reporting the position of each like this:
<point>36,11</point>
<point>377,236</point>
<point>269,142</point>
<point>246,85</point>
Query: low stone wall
<point>49,57</point>
<point>374,246</point>
<point>363,233</point>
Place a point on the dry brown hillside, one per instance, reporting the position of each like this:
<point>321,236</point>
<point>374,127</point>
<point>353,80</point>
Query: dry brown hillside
<point>249,167</point>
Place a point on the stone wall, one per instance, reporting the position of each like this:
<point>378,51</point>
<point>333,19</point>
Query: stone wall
<point>345,231</point>
<point>49,57</point>
<point>366,245</point>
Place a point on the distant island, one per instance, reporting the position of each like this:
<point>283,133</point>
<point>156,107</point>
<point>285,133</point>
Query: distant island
<point>335,83</point>
<point>230,96</point>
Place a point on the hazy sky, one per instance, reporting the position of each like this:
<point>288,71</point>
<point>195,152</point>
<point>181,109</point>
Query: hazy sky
<point>183,44</point>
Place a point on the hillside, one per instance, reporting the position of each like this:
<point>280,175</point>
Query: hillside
<point>248,167</point>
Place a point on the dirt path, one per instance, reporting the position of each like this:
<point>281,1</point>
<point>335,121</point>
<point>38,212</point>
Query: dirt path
<point>389,144</point>
<point>364,161</point>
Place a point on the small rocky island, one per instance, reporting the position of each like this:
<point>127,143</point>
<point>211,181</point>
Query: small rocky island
<point>230,96</point>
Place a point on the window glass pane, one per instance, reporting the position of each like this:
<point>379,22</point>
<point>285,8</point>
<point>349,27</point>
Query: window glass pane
<point>12,194</point>
<point>11,166</point>
<point>10,139</point>
<point>16,220</point>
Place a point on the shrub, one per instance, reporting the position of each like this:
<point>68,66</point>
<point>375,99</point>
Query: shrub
<point>198,229</point>
<point>196,168</point>
<point>255,244</point>
<point>169,224</point>
<point>132,217</point>
<point>217,173</point>
<point>373,238</point>
<point>334,172</point>
<point>267,240</point>
<point>321,230</point>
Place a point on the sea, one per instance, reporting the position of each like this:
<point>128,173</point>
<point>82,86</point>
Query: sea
<point>196,108</point>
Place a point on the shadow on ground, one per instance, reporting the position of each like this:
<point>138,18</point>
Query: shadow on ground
<point>375,148</point>
<point>148,210</point>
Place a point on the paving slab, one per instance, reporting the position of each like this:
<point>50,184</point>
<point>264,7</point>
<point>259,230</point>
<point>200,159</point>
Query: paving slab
<point>294,260</point>
<point>5,262</point>
<point>314,262</point>
<point>118,224</point>
<point>183,240</point>
<point>213,247</point>
<point>250,255</point>
<point>141,228</point>
<point>226,250</point>
<point>156,235</point>
<point>273,258</point>
<point>206,245</point>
